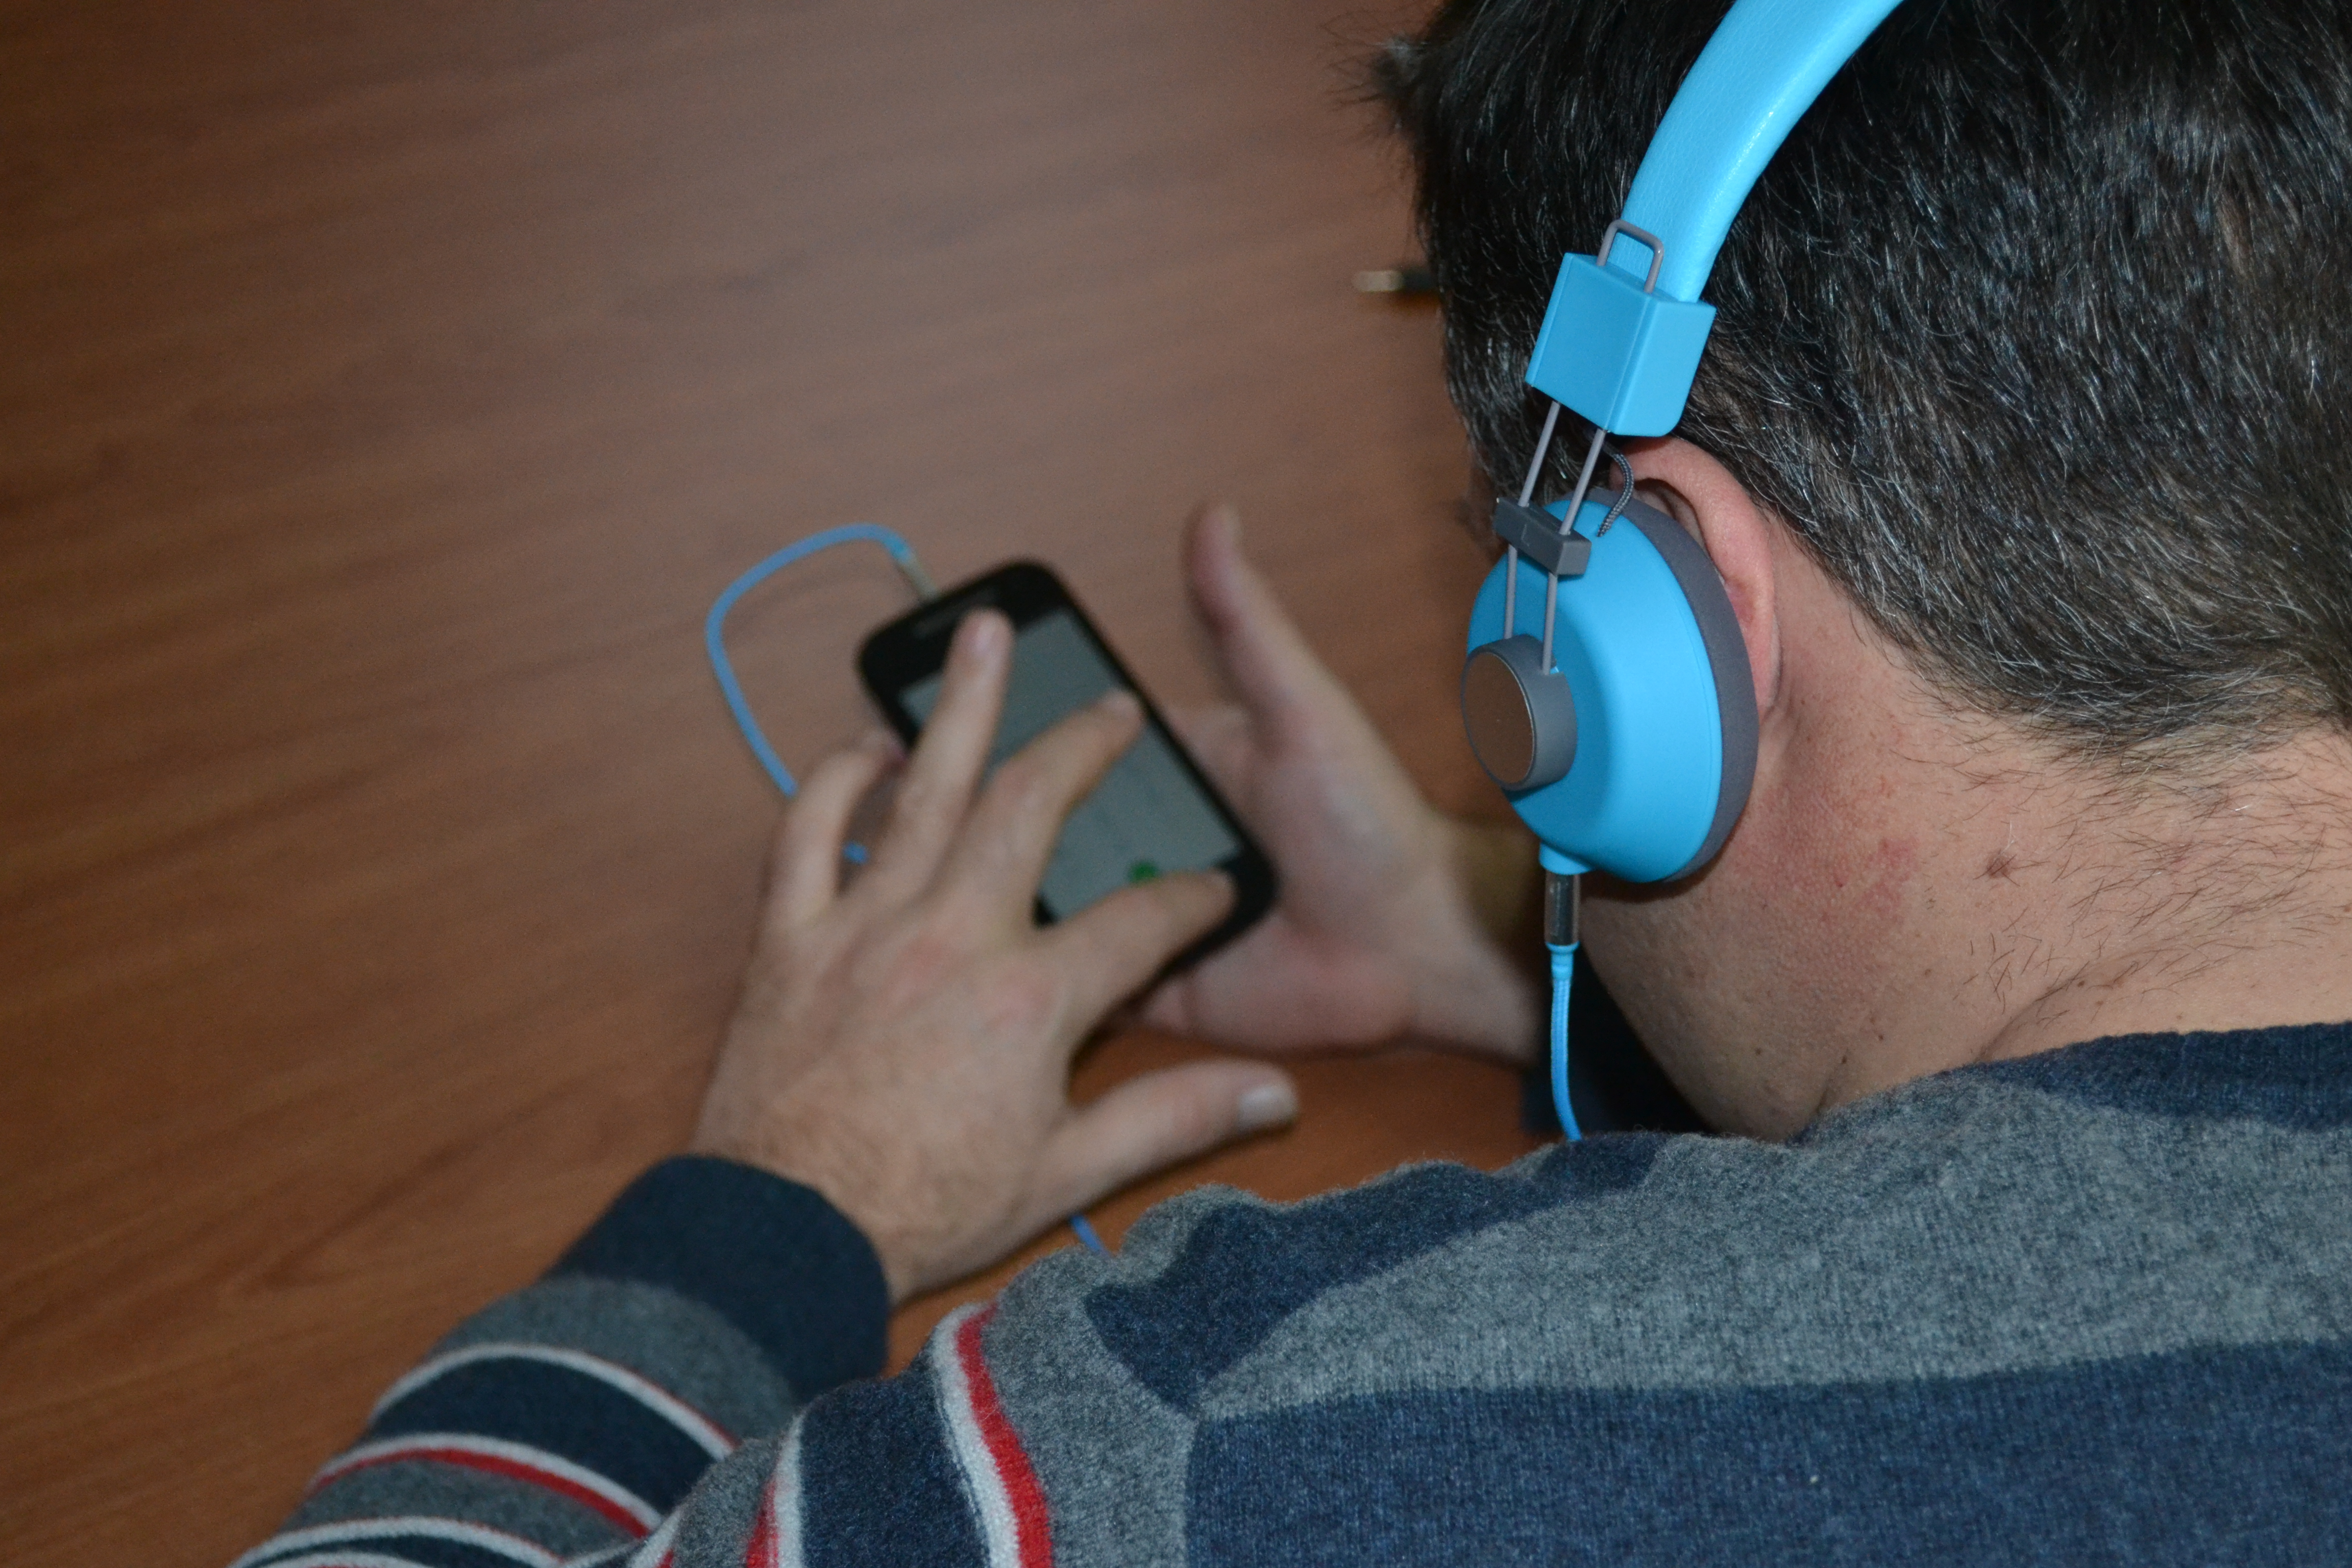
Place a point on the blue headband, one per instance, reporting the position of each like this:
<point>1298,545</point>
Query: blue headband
<point>1623,335</point>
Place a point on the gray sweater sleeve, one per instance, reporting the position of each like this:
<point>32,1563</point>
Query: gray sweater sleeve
<point>570,1420</point>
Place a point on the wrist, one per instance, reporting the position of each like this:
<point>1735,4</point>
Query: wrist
<point>1479,993</point>
<point>774,1257</point>
<point>806,1161</point>
<point>1491,1009</point>
<point>1495,865</point>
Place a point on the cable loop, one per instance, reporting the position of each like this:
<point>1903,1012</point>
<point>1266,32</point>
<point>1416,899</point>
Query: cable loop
<point>1624,496</point>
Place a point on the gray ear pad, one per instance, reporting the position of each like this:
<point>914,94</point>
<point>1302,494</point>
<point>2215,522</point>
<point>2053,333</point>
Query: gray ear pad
<point>1727,654</point>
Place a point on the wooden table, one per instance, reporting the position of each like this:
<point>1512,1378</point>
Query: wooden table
<point>387,391</point>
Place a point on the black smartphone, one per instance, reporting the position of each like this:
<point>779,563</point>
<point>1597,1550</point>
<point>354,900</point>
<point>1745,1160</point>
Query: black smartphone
<point>1155,810</point>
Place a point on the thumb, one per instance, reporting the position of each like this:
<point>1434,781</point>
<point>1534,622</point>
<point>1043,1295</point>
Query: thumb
<point>1153,1121</point>
<point>1264,653</point>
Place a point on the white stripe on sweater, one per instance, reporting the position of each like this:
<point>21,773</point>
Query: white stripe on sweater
<point>606,1555</point>
<point>655,1547</point>
<point>514,1548</point>
<point>784,1504</point>
<point>652,1395</point>
<point>350,1560</point>
<point>982,1484</point>
<point>421,1445</point>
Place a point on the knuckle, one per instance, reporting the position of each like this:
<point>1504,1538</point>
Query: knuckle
<point>803,823</point>
<point>842,771</point>
<point>1025,787</point>
<point>920,804</point>
<point>1020,999</point>
<point>959,913</point>
<point>1106,732</point>
<point>916,792</point>
<point>1174,905</point>
<point>1193,1119</point>
<point>928,954</point>
<point>1017,777</point>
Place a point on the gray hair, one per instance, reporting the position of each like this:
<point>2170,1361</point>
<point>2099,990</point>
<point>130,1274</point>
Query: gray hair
<point>2035,331</point>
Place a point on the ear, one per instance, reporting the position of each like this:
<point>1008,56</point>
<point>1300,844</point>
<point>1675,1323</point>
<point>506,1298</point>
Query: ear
<point>1738,535</point>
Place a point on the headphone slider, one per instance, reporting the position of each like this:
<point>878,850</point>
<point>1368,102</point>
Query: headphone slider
<point>1533,532</point>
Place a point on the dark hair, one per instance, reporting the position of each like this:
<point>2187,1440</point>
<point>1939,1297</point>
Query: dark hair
<point>2035,331</point>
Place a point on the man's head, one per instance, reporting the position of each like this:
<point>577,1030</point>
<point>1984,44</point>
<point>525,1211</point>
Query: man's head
<point>2021,441</point>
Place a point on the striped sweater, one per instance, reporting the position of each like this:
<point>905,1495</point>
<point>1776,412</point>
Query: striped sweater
<point>2092,1306</point>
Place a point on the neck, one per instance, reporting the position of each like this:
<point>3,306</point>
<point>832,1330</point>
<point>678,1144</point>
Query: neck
<point>1913,888</point>
<point>2061,901</point>
<point>2214,902</point>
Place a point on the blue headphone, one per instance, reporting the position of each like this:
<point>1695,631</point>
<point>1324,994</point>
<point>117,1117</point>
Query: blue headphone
<point>1622,727</point>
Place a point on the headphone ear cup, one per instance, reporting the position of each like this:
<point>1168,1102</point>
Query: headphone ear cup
<point>1663,704</point>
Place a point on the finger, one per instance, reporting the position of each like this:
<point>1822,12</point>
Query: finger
<point>1151,1122</point>
<point>1278,988</point>
<point>1263,652</point>
<point>806,877</point>
<point>1000,856</point>
<point>1218,738</point>
<point>948,757</point>
<point>1112,949</point>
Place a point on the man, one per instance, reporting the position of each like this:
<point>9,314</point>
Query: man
<point>2020,447</point>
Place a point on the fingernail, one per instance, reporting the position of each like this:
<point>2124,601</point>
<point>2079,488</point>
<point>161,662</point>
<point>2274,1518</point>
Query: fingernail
<point>980,635</point>
<point>1119,701</point>
<point>1267,1105</point>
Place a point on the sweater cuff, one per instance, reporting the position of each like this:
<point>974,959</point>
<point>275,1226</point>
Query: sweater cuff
<point>771,1256</point>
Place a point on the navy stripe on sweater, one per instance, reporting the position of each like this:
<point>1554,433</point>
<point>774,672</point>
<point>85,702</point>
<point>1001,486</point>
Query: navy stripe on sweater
<point>876,1471</point>
<point>1248,1268</point>
<point>770,1256</point>
<point>2297,1077</point>
<point>561,1412</point>
<point>2140,1460</point>
<point>423,1551</point>
<point>429,1543</point>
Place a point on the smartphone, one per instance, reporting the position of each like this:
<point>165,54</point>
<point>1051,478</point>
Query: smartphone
<point>1155,812</point>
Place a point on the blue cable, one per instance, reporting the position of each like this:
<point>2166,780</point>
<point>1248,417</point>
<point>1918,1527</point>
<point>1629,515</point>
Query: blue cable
<point>714,639</point>
<point>1563,975</point>
<point>714,643</point>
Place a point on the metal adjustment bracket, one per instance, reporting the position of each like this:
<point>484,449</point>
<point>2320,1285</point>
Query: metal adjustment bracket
<point>1542,539</point>
<point>1642,237</point>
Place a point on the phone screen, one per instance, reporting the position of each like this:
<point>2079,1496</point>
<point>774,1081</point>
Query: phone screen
<point>1146,818</point>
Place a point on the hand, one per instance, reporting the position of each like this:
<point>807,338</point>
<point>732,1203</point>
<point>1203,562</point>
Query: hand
<point>1383,926</point>
<point>903,1045</point>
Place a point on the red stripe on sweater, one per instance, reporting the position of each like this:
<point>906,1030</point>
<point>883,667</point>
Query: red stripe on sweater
<point>1020,1482</point>
<point>761,1552</point>
<point>513,1469</point>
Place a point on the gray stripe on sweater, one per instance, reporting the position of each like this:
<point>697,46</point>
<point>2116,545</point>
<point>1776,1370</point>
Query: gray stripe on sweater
<point>1950,1229</point>
<point>434,1491</point>
<point>685,1347</point>
<point>724,1508</point>
<point>1110,1454</point>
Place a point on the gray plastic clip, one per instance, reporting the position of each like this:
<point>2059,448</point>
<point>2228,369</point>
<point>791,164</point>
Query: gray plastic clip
<point>1537,535</point>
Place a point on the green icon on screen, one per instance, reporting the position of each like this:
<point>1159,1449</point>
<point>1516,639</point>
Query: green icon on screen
<point>1142,871</point>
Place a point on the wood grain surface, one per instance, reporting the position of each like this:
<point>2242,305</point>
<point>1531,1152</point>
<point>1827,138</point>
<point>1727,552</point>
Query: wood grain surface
<point>386,391</point>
